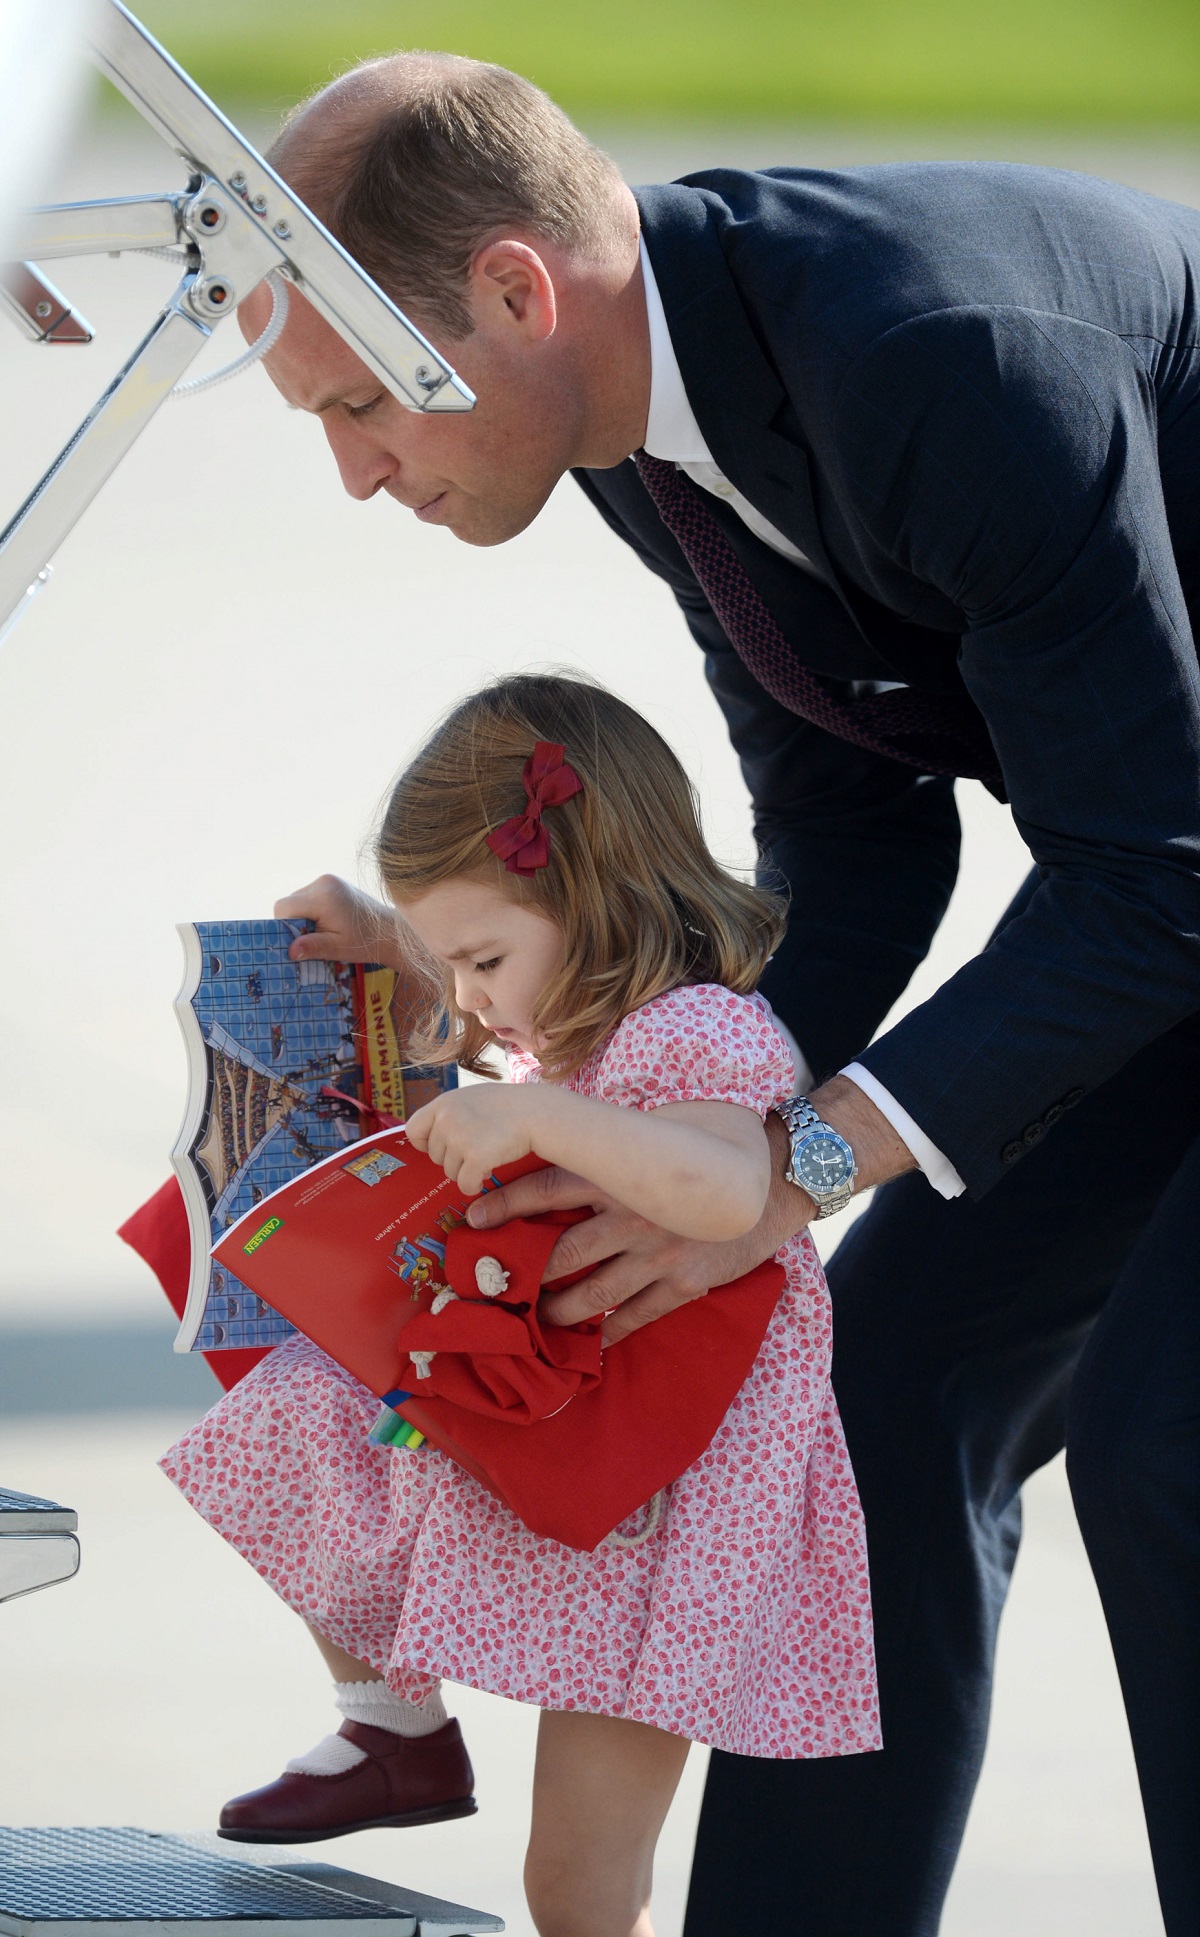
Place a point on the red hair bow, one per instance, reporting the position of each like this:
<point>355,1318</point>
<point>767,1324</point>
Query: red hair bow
<point>523,843</point>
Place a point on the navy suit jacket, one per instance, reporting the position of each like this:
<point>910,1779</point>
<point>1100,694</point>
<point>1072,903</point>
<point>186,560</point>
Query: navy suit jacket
<point>970,393</point>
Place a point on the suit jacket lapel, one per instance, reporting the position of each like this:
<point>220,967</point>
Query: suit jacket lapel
<point>773,472</point>
<point>733,388</point>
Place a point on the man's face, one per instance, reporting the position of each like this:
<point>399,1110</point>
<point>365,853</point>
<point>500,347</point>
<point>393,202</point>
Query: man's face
<point>485,473</point>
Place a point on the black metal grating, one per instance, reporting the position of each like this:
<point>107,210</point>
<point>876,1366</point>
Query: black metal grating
<point>131,1876</point>
<point>29,1509</point>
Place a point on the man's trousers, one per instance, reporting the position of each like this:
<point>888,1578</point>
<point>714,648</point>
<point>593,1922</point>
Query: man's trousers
<point>971,1341</point>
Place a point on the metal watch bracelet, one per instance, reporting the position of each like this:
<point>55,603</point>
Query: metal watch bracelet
<point>798,1117</point>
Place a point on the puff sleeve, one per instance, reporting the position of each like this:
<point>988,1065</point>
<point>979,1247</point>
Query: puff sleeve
<point>697,1044</point>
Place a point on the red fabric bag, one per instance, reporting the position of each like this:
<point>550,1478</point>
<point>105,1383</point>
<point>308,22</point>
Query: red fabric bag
<point>491,1354</point>
<point>160,1234</point>
<point>571,1443</point>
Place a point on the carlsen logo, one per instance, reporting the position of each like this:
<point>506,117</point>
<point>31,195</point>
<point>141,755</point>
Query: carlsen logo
<point>266,1231</point>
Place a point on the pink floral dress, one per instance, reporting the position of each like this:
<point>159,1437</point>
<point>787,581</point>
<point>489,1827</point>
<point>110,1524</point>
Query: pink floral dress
<point>743,1621</point>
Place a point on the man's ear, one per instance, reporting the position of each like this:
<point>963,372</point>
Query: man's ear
<point>511,286</point>
<point>253,311</point>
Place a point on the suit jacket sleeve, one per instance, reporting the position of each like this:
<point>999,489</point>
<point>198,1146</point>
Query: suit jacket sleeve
<point>1010,460</point>
<point>866,849</point>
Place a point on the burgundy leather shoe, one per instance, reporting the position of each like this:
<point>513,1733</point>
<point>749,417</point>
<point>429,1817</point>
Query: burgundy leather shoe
<point>403,1780</point>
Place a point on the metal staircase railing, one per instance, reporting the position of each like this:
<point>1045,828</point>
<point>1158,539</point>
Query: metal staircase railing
<point>235,223</point>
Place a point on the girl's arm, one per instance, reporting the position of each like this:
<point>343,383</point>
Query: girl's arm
<point>701,1170</point>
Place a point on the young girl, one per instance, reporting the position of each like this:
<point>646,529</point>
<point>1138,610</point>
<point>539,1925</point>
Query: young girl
<point>545,858</point>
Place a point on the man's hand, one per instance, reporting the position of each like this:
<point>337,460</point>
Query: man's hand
<point>350,926</point>
<point>641,1271</point>
<point>638,1272</point>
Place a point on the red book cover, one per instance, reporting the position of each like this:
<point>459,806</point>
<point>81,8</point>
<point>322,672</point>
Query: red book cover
<point>354,1249</point>
<point>370,1255</point>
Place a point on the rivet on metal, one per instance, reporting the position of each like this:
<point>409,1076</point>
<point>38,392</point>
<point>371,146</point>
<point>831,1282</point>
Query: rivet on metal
<point>427,378</point>
<point>259,204</point>
<point>213,297</point>
<point>43,309</point>
<point>282,230</point>
<point>237,182</point>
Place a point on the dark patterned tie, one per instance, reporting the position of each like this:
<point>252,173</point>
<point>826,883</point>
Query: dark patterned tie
<point>934,731</point>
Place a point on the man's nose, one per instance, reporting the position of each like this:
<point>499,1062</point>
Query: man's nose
<point>363,465</point>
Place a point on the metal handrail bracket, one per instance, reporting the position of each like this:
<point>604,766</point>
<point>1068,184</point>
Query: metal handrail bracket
<point>234,223</point>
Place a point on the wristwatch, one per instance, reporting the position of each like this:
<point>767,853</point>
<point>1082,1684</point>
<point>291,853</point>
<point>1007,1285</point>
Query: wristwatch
<point>822,1163</point>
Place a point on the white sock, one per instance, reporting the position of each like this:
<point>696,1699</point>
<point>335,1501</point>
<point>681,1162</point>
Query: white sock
<point>331,1756</point>
<point>371,1702</point>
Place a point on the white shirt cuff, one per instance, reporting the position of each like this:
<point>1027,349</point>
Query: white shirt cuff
<point>934,1162</point>
<point>804,1075</point>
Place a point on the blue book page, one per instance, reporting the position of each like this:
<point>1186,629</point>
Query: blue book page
<point>282,1072</point>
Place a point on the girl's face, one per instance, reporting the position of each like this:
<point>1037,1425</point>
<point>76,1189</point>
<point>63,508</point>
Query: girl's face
<point>501,953</point>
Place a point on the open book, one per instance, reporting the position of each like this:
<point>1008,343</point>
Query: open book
<point>288,1062</point>
<point>356,1249</point>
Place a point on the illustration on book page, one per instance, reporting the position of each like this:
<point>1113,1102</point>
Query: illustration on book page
<point>287,1063</point>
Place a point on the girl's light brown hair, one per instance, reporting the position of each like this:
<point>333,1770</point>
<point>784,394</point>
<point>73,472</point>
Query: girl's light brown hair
<point>642,904</point>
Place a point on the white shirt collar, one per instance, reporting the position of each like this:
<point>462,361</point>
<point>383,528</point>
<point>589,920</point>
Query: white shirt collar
<point>672,432</point>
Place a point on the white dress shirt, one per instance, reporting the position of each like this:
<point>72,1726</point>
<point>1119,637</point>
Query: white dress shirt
<point>673,434</point>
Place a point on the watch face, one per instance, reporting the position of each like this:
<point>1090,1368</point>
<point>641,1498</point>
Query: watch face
<point>822,1163</point>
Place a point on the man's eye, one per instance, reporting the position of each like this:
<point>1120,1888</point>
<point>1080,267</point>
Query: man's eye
<point>362,410</point>
<point>481,968</point>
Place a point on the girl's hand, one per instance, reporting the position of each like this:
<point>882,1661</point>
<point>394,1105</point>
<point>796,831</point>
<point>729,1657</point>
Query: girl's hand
<point>471,1130</point>
<point>350,926</point>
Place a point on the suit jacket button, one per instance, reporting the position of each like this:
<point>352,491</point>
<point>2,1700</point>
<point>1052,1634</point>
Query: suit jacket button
<point>1032,1132</point>
<point>1073,1097</point>
<point>1052,1115</point>
<point>1011,1152</point>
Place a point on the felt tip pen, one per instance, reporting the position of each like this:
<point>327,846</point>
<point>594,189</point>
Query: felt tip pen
<point>386,1427</point>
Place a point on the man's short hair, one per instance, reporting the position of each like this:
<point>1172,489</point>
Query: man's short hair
<point>415,160</point>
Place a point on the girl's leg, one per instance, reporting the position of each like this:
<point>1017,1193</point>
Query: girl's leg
<point>342,1667</point>
<point>601,1791</point>
<point>362,1695</point>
